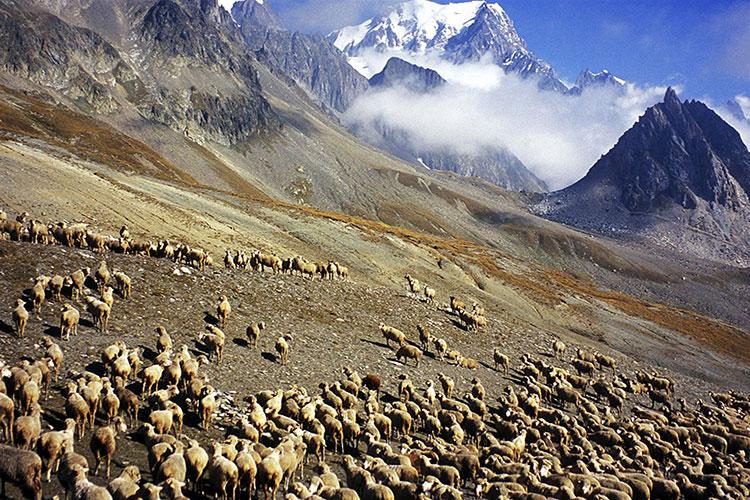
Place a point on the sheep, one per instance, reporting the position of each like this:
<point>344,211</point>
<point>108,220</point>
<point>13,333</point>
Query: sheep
<point>69,318</point>
<point>214,342</point>
<point>124,284</point>
<point>66,473</point>
<point>125,486</point>
<point>253,333</point>
<point>223,474</point>
<point>424,337</point>
<point>104,444</point>
<point>392,334</point>
<point>174,466</point>
<point>100,312</point>
<point>56,286</point>
<point>77,279</point>
<point>110,403</point>
<point>129,403</point>
<point>222,311</point>
<point>108,296</point>
<point>51,445</point>
<point>77,408</point>
<point>414,286</point>
<point>441,348</point>
<point>469,363</point>
<point>605,360</point>
<point>196,459</point>
<point>282,348</point>
<point>407,352</point>
<point>38,295</point>
<point>20,317</point>
<point>501,360</point>
<point>429,294</point>
<point>38,232</point>
<point>102,276</point>
<point>447,383</point>
<point>23,468</point>
<point>207,406</point>
<point>151,376</point>
<point>164,341</point>
<point>558,348</point>
<point>582,366</point>
<point>7,416</point>
<point>28,396</point>
<point>163,421</point>
<point>457,304</point>
<point>27,429</point>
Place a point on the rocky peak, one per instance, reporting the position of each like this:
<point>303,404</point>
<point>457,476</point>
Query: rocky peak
<point>251,14</point>
<point>400,72</point>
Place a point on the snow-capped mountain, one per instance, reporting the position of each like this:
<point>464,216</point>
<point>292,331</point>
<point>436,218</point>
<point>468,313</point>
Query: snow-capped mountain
<point>603,78</point>
<point>457,32</point>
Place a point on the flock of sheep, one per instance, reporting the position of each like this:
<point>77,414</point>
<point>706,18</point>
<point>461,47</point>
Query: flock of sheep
<point>568,428</point>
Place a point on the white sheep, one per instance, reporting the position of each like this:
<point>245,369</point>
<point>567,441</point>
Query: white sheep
<point>20,317</point>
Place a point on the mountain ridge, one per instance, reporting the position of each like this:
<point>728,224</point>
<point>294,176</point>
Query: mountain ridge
<point>685,173</point>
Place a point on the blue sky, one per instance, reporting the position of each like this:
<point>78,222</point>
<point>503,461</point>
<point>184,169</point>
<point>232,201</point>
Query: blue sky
<point>703,46</point>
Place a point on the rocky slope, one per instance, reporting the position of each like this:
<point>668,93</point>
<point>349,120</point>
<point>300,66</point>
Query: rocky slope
<point>681,174</point>
<point>180,64</point>
<point>309,61</point>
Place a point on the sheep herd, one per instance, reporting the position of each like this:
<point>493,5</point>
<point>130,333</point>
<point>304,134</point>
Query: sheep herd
<point>569,422</point>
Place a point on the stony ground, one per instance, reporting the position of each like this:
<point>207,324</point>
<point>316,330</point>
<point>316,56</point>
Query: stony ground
<point>333,324</point>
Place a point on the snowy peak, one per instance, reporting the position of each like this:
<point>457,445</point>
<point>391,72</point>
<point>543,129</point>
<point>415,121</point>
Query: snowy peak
<point>414,26</point>
<point>457,32</point>
<point>604,77</point>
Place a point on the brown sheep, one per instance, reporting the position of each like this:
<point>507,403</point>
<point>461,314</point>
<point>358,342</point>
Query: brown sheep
<point>103,443</point>
<point>406,352</point>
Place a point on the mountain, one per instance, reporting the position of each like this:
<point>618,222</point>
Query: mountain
<point>191,42</point>
<point>604,78</point>
<point>400,72</point>
<point>310,61</point>
<point>457,32</point>
<point>680,174</point>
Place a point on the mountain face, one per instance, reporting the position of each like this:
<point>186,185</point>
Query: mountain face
<point>604,78</point>
<point>178,63</point>
<point>459,32</point>
<point>679,162</point>
<point>310,61</point>
<point>400,72</point>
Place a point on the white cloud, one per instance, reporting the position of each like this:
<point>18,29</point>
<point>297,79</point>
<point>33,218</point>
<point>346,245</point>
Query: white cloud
<point>557,137</point>
<point>742,127</point>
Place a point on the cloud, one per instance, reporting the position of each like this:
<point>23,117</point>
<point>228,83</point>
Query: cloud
<point>741,126</point>
<point>557,137</point>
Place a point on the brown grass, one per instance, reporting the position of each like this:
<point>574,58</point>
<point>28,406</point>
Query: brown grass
<point>721,337</point>
<point>87,138</point>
